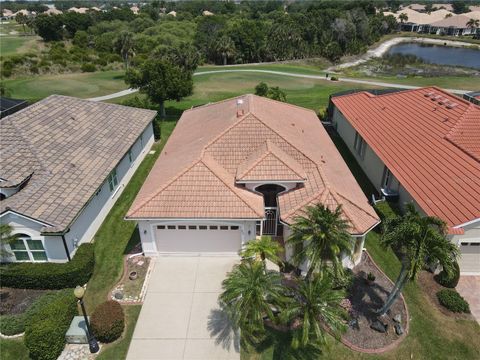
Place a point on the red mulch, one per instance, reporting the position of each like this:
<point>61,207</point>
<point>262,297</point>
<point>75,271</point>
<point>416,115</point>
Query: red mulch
<point>16,301</point>
<point>365,299</point>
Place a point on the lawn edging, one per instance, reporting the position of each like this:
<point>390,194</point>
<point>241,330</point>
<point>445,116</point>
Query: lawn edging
<point>394,344</point>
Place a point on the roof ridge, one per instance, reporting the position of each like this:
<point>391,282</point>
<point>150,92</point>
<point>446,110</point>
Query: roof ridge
<point>256,162</point>
<point>214,103</point>
<point>449,136</point>
<point>168,183</point>
<point>315,195</point>
<point>284,103</point>
<point>354,204</point>
<point>285,163</point>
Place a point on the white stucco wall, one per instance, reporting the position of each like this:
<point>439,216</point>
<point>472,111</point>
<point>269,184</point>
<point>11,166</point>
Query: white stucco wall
<point>93,214</point>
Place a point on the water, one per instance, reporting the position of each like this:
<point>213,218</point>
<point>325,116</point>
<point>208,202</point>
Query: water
<point>439,54</point>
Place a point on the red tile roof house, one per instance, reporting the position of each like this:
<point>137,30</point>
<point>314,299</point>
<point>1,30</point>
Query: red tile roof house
<point>240,168</point>
<point>64,163</point>
<point>423,146</point>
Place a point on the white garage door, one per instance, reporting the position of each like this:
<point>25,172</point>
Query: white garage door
<point>196,238</point>
<point>469,257</point>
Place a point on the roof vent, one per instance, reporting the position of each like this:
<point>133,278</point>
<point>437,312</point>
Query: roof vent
<point>428,94</point>
<point>452,105</point>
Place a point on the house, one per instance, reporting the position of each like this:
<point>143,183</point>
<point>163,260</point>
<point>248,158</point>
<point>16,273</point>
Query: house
<point>9,106</point>
<point>420,146</point>
<point>135,9</point>
<point>172,13</point>
<point>473,97</point>
<point>207,13</point>
<point>454,25</point>
<point>7,14</point>
<point>241,168</point>
<point>65,161</point>
<point>53,11</point>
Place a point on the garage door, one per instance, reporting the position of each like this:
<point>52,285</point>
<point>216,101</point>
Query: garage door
<point>196,238</point>
<point>469,257</point>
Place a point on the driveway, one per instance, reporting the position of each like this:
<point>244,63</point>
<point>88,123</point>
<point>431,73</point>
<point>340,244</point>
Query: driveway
<point>469,287</point>
<point>180,318</point>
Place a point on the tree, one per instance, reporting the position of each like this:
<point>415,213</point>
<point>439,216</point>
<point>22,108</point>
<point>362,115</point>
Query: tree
<point>403,17</point>
<point>275,93</point>
<point>49,27</point>
<point>262,249</point>
<point>225,47</point>
<point>459,7</point>
<point>419,241</point>
<point>319,238</point>
<point>20,18</point>
<point>161,80</point>
<point>261,89</point>
<point>6,237</point>
<point>126,47</point>
<point>473,23</point>
<point>248,295</point>
<point>315,306</point>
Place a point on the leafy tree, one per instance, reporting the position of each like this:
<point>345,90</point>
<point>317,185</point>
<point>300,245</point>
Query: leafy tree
<point>275,93</point>
<point>126,46</point>
<point>21,19</point>
<point>247,298</point>
<point>49,27</point>
<point>209,30</point>
<point>315,305</point>
<point>250,39</point>
<point>183,54</point>
<point>459,7</point>
<point>80,39</point>
<point>161,80</point>
<point>419,240</point>
<point>261,89</point>
<point>285,40</point>
<point>6,237</point>
<point>333,51</point>
<point>225,47</point>
<point>319,238</point>
<point>473,23</point>
<point>429,8</point>
<point>403,17</point>
<point>262,249</point>
<point>74,22</point>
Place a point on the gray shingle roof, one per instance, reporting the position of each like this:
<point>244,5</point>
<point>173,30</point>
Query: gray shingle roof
<point>68,146</point>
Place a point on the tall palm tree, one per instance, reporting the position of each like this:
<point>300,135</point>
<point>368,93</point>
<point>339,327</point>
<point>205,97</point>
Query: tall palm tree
<point>248,296</point>
<point>262,249</point>
<point>315,306</point>
<point>6,237</point>
<point>225,47</point>
<point>126,46</point>
<point>320,237</point>
<point>403,17</point>
<point>473,23</point>
<point>418,240</point>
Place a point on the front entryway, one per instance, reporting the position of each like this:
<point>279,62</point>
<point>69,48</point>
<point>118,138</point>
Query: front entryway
<point>180,318</point>
<point>271,221</point>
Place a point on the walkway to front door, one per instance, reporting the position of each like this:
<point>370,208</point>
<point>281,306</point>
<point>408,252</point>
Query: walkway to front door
<point>180,318</point>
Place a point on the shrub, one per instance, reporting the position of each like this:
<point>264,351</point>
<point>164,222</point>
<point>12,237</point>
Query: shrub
<point>108,321</point>
<point>12,324</point>
<point>50,275</point>
<point>449,280</point>
<point>45,332</point>
<point>386,210</point>
<point>453,301</point>
<point>88,67</point>
<point>334,78</point>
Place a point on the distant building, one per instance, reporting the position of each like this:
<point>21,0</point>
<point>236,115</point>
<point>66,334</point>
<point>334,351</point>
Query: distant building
<point>9,106</point>
<point>207,13</point>
<point>7,14</point>
<point>135,9</point>
<point>53,11</point>
<point>172,13</point>
<point>473,97</point>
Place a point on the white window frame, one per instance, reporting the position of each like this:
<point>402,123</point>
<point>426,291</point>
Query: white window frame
<point>24,238</point>
<point>359,145</point>
<point>113,180</point>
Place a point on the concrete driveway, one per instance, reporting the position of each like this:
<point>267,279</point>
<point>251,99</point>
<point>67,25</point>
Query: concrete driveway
<point>469,287</point>
<point>180,318</point>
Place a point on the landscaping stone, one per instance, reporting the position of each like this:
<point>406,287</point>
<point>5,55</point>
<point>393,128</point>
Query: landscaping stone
<point>76,352</point>
<point>378,326</point>
<point>398,318</point>
<point>398,329</point>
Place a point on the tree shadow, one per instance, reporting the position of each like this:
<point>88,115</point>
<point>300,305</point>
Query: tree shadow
<point>134,244</point>
<point>220,327</point>
<point>281,344</point>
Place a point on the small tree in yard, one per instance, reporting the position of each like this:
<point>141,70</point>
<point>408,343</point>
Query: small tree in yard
<point>262,249</point>
<point>161,80</point>
<point>418,240</point>
<point>403,17</point>
<point>6,237</point>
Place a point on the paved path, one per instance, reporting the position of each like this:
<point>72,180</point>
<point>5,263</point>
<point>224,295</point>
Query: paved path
<point>469,287</point>
<point>180,318</point>
<point>283,73</point>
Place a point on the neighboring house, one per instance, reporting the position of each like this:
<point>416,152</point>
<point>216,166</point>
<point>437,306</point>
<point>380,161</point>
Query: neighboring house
<point>9,106</point>
<point>241,168</point>
<point>473,97</point>
<point>7,14</point>
<point>64,163</point>
<point>135,9</point>
<point>420,146</point>
<point>53,11</point>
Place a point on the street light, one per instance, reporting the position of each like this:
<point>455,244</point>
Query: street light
<point>92,342</point>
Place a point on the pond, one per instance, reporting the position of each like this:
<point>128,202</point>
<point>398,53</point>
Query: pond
<point>439,54</point>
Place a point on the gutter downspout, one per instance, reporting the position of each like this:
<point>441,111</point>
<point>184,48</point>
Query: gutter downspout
<point>65,245</point>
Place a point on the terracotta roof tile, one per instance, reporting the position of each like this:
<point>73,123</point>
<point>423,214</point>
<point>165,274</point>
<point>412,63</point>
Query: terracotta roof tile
<point>429,139</point>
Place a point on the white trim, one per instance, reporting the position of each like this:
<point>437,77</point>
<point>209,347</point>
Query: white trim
<point>467,223</point>
<point>25,217</point>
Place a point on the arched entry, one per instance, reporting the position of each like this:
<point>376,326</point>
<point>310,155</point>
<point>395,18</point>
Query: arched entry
<point>270,193</point>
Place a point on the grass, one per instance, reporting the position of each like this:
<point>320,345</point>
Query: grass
<point>83,85</point>
<point>13,349</point>
<point>11,45</point>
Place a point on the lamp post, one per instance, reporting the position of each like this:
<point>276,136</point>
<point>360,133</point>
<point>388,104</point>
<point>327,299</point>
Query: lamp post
<point>92,342</point>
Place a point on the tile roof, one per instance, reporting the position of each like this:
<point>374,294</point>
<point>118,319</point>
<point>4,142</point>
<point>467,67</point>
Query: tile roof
<point>68,146</point>
<point>430,141</point>
<point>248,137</point>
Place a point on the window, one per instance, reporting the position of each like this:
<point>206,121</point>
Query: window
<point>161,227</point>
<point>182,227</point>
<point>130,157</point>
<point>359,145</point>
<point>171,227</point>
<point>387,177</point>
<point>213,227</point>
<point>141,140</point>
<point>192,227</point>
<point>112,180</point>
<point>223,227</point>
<point>234,227</point>
<point>27,249</point>
<point>203,227</point>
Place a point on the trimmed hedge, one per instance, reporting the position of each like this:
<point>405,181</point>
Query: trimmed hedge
<point>12,324</point>
<point>449,281</point>
<point>50,275</point>
<point>453,301</point>
<point>386,210</point>
<point>108,321</point>
<point>45,332</point>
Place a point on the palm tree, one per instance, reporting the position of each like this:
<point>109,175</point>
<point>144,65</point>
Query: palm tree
<point>419,240</point>
<point>473,23</point>
<point>315,306</point>
<point>249,293</point>
<point>320,238</point>
<point>126,46</point>
<point>6,237</point>
<point>225,47</point>
<point>262,249</point>
<point>403,17</point>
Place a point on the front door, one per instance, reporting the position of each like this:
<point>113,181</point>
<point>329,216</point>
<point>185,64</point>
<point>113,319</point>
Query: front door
<point>270,221</point>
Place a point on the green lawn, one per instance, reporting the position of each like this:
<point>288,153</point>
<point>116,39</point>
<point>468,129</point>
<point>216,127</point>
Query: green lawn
<point>13,349</point>
<point>83,85</point>
<point>10,45</point>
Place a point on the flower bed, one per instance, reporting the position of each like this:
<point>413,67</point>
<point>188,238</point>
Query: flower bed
<point>131,289</point>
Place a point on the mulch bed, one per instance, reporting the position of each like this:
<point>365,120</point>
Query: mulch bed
<point>16,301</point>
<point>365,299</point>
<point>129,291</point>
<point>430,288</point>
